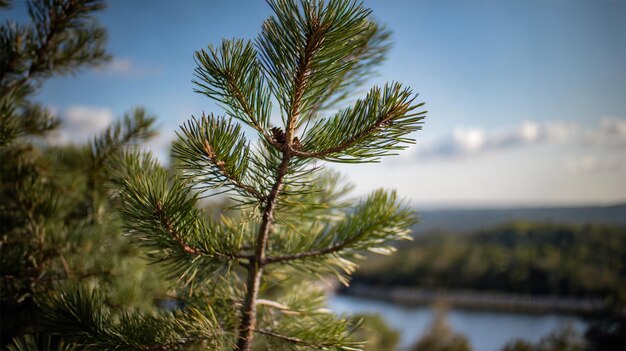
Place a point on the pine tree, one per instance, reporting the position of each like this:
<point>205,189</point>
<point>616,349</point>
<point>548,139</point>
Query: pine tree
<point>248,279</point>
<point>55,217</point>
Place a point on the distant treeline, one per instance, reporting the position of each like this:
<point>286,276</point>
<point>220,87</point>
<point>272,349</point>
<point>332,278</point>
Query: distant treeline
<point>469,220</point>
<point>521,257</point>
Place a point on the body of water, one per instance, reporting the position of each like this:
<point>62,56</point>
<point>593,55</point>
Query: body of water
<point>486,331</point>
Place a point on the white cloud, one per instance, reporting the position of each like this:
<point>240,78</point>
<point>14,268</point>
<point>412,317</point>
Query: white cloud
<point>593,164</point>
<point>130,68</point>
<point>119,65</point>
<point>609,132</point>
<point>471,141</point>
<point>468,140</point>
<point>529,131</point>
<point>79,123</point>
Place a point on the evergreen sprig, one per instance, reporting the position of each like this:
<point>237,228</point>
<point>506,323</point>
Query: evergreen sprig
<point>305,46</point>
<point>213,153</point>
<point>81,315</point>
<point>134,128</point>
<point>373,45</point>
<point>38,343</point>
<point>65,36</point>
<point>299,320</point>
<point>161,215</point>
<point>308,57</point>
<point>62,38</point>
<point>331,247</point>
<point>231,74</point>
<point>374,127</point>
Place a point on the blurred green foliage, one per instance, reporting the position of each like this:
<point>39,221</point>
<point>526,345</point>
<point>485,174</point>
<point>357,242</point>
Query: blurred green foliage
<point>440,336</point>
<point>58,225</point>
<point>379,336</point>
<point>565,338</point>
<point>521,257</point>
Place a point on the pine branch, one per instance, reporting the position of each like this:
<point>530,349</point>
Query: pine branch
<point>321,332</point>
<point>304,49</point>
<point>214,153</point>
<point>161,215</point>
<point>80,315</point>
<point>374,223</point>
<point>62,38</point>
<point>135,127</point>
<point>283,308</point>
<point>167,225</point>
<point>231,75</point>
<point>286,338</point>
<point>310,254</point>
<point>313,41</point>
<point>221,166</point>
<point>31,120</point>
<point>372,48</point>
<point>255,269</point>
<point>312,326</point>
<point>69,21</point>
<point>376,126</point>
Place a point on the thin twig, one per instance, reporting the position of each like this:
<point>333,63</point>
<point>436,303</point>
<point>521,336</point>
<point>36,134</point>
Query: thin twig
<point>283,308</point>
<point>320,252</point>
<point>350,142</point>
<point>255,269</point>
<point>248,111</point>
<point>208,150</point>
<point>303,255</point>
<point>284,337</point>
<point>167,225</point>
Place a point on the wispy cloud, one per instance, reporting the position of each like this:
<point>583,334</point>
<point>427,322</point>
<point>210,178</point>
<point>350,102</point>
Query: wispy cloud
<point>120,66</point>
<point>596,164</point>
<point>608,133</point>
<point>129,68</point>
<point>472,141</point>
<point>79,123</point>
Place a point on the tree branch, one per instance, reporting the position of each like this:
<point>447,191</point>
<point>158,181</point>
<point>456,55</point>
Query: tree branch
<point>320,252</point>
<point>293,340</point>
<point>248,111</point>
<point>303,255</point>
<point>208,151</point>
<point>167,225</point>
<point>337,83</point>
<point>284,337</point>
<point>314,40</point>
<point>175,344</point>
<point>381,122</point>
<point>255,268</point>
<point>283,308</point>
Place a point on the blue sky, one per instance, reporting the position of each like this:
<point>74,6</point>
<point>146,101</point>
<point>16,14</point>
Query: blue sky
<point>526,99</point>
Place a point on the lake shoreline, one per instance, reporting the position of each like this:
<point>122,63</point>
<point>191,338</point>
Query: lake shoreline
<point>478,300</point>
<point>485,330</point>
